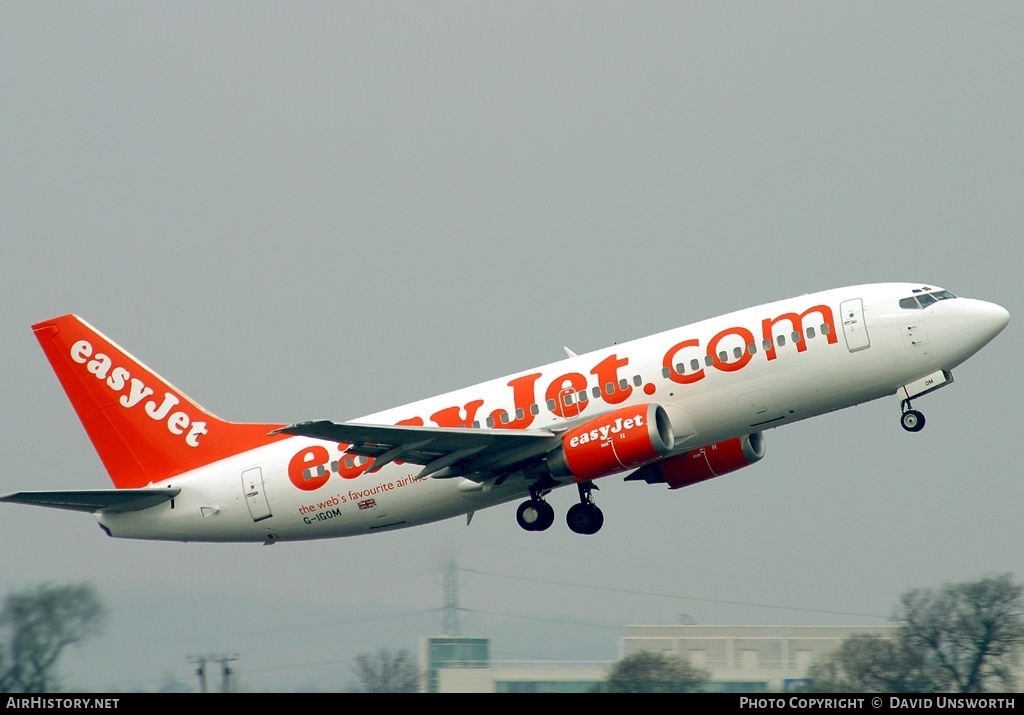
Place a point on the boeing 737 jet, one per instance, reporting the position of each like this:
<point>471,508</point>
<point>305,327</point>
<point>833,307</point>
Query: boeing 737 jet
<point>673,409</point>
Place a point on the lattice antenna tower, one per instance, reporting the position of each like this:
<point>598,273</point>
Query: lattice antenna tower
<point>450,614</point>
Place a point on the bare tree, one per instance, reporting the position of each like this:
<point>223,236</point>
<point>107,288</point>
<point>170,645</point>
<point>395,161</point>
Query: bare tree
<point>36,625</point>
<point>868,664</point>
<point>964,637</point>
<point>386,671</point>
<point>650,672</point>
<point>969,635</point>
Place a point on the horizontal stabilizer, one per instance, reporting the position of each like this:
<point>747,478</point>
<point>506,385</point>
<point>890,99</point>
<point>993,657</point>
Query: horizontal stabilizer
<point>112,500</point>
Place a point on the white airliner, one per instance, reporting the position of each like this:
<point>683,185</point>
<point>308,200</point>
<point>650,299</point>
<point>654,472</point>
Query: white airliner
<point>674,408</point>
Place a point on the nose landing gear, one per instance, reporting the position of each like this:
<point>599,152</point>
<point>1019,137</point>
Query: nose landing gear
<point>912,420</point>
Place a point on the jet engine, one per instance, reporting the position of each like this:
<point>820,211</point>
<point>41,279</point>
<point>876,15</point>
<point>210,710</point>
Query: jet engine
<point>697,465</point>
<point>615,442</point>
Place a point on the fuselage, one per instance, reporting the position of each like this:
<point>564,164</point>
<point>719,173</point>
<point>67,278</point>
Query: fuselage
<point>725,377</point>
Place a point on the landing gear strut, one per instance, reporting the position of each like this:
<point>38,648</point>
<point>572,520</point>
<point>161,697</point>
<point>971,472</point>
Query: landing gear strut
<point>585,517</point>
<point>535,514</point>
<point>912,420</point>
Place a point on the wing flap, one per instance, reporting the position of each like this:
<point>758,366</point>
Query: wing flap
<point>112,500</point>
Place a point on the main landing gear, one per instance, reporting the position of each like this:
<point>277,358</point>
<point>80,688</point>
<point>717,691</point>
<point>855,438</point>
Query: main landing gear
<point>585,517</point>
<point>912,420</point>
<point>535,514</point>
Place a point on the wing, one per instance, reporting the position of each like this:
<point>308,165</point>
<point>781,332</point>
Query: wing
<point>114,500</point>
<point>476,454</point>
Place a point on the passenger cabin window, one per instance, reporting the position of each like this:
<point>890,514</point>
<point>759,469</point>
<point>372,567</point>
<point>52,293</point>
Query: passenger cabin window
<point>637,381</point>
<point>552,405</point>
<point>694,365</point>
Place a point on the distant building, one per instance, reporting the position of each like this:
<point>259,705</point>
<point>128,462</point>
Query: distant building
<point>532,677</point>
<point>748,659</point>
<point>451,653</point>
<point>739,658</point>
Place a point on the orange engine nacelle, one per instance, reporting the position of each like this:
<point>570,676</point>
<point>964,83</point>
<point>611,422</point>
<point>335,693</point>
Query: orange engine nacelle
<point>697,465</point>
<point>616,441</point>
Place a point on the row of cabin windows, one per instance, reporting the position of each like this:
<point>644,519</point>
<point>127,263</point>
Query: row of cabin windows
<point>582,397</point>
<point>567,399</point>
<point>737,352</point>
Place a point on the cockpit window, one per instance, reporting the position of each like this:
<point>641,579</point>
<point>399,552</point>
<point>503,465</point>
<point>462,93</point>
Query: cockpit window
<point>923,300</point>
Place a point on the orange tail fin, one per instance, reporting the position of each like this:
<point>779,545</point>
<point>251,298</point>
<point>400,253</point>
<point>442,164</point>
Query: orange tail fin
<point>143,428</point>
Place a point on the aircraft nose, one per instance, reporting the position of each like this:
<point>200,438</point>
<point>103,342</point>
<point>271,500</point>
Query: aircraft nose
<point>987,320</point>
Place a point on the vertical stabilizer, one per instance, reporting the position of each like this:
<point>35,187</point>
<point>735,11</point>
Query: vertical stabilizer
<point>144,429</point>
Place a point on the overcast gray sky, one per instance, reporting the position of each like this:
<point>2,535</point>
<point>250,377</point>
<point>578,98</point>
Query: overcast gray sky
<point>321,210</point>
